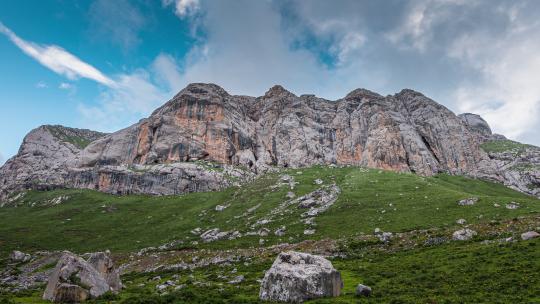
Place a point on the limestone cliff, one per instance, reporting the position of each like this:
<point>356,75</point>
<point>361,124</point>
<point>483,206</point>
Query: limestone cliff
<point>162,154</point>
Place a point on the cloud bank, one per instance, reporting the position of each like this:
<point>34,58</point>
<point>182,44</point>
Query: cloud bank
<point>472,56</point>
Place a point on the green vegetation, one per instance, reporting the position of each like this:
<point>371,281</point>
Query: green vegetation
<point>505,146</point>
<point>404,271</point>
<point>90,220</point>
<point>60,133</point>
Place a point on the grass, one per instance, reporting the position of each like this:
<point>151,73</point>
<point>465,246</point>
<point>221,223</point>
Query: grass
<point>468,272</point>
<point>506,145</point>
<point>77,141</point>
<point>91,221</point>
<point>402,272</point>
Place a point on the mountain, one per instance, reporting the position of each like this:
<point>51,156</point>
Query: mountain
<point>206,139</point>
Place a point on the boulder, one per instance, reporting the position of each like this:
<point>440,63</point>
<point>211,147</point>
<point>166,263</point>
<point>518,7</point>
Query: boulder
<point>105,266</point>
<point>363,290</point>
<point>19,257</point>
<point>75,279</point>
<point>529,235</point>
<point>463,234</point>
<point>468,201</point>
<point>512,205</point>
<point>297,277</point>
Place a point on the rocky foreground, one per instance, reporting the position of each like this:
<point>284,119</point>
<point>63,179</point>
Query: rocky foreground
<point>205,139</point>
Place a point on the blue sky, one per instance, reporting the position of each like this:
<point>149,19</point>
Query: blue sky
<point>104,65</point>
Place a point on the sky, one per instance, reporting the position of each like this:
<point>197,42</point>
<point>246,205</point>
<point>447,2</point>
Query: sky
<point>104,65</point>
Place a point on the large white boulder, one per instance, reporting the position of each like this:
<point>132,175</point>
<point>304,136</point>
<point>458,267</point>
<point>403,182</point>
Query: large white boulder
<point>297,277</point>
<point>75,280</point>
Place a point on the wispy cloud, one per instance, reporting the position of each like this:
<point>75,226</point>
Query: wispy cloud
<point>135,95</point>
<point>41,85</point>
<point>65,86</point>
<point>182,7</point>
<point>57,59</point>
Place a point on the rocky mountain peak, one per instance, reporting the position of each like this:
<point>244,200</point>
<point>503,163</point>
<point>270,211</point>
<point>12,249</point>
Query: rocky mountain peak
<point>278,91</point>
<point>361,94</point>
<point>202,90</point>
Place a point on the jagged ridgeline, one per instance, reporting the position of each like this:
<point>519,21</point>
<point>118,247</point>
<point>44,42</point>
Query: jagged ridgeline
<point>205,139</point>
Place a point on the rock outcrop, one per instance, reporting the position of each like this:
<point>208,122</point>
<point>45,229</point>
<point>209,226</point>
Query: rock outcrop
<point>162,154</point>
<point>297,277</point>
<point>75,280</point>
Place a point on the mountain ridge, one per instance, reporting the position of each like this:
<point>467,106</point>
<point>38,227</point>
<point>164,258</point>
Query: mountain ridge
<point>404,132</point>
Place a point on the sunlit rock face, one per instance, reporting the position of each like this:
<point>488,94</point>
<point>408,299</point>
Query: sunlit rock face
<point>161,154</point>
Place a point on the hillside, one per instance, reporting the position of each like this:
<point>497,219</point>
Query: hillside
<point>421,212</point>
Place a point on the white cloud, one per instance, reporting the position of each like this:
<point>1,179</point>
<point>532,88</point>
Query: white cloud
<point>41,85</point>
<point>57,59</point>
<point>65,86</point>
<point>135,95</point>
<point>183,7</point>
<point>166,70</point>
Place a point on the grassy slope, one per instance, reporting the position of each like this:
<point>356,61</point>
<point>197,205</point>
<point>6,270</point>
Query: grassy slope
<point>506,146</point>
<point>91,220</point>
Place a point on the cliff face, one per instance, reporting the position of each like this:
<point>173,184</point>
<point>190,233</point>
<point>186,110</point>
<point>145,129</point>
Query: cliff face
<point>405,132</point>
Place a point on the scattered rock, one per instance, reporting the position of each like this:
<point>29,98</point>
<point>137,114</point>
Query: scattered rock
<point>309,231</point>
<point>363,290</point>
<point>318,181</point>
<point>463,234</point>
<point>215,234</point>
<point>461,221</point>
<point>263,232</point>
<point>290,195</point>
<point>529,235</point>
<point>220,208</point>
<point>297,277</point>
<point>237,280</point>
<point>19,257</point>
<point>196,231</point>
<point>280,231</point>
<point>512,205</point>
<point>433,241</point>
<point>468,201</point>
<point>496,205</point>
<point>385,237</point>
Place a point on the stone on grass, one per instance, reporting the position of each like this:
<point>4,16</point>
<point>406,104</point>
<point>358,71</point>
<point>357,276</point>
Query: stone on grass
<point>463,234</point>
<point>19,257</point>
<point>297,277</point>
<point>468,201</point>
<point>461,221</point>
<point>529,235</point>
<point>309,231</point>
<point>385,237</point>
<point>512,205</point>
<point>75,280</point>
<point>363,290</point>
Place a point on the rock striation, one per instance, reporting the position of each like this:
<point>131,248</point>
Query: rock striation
<point>202,136</point>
